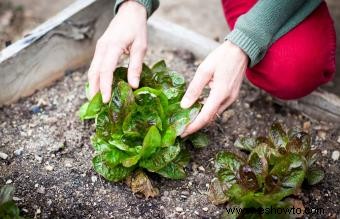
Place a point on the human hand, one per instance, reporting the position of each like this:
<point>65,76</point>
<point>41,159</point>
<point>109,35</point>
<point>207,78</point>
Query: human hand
<point>223,69</point>
<point>127,33</point>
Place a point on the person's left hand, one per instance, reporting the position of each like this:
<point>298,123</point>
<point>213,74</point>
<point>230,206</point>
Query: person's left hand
<point>223,70</point>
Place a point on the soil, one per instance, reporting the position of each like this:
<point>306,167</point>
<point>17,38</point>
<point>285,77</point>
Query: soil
<point>49,155</point>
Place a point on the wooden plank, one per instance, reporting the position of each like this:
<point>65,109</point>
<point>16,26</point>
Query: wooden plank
<point>66,41</point>
<point>172,35</point>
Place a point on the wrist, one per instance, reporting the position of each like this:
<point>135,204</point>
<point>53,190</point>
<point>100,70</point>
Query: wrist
<point>132,7</point>
<point>237,51</point>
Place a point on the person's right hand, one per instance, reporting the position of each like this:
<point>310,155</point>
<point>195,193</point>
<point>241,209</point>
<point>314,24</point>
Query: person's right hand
<point>127,33</point>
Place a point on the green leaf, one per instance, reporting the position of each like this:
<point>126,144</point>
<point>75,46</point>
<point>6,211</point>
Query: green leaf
<point>115,174</point>
<point>152,141</point>
<point>140,120</point>
<point>6,194</point>
<point>112,157</point>
<point>290,170</point>
<point>159,67</point>
<point>161,158</point>
<point>131,161</point>
<point>172,171</point>
<point>121,104</point>
<point>199,140</point>
<point>169,137</point>
<point>314,176</point>
<point>8,209</point>
<point>89,110</point>
<point>246,143</point>
<point>100,145</point>
<point>120,74</point>
<point>152,98</point>
<point>147,77</point>
<point>227,166</point>
<point>312,156</point>
<point>278,136</point>
<point>182,117</point>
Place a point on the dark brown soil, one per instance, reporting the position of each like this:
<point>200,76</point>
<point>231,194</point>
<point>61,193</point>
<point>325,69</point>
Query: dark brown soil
<point>53,176</point>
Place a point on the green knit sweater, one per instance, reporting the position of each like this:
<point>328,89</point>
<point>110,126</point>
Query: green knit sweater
<point>261,26</point>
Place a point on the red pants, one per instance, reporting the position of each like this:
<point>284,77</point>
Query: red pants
<point>298,62</point>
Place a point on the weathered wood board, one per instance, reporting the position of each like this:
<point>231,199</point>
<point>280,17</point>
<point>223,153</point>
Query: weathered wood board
<point>64,42</point>
<point>67,41</point>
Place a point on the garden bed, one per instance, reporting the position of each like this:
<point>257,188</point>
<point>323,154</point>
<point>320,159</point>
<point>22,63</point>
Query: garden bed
<point>49,154</point>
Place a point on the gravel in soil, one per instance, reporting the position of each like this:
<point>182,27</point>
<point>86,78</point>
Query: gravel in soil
<point>46,154</point>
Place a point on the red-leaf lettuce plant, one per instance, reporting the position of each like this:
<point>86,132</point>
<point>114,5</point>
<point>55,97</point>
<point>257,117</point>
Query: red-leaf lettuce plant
<point>139,129</point>
<point>276,167</point>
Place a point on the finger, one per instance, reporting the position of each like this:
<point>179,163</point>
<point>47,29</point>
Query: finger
<point>225,105</point>
<point>196,86</point>
<point>108,65</point>
<point>208,112</point>
<point>231,99</point>
<point>138,51</point>
<point>93,73</point>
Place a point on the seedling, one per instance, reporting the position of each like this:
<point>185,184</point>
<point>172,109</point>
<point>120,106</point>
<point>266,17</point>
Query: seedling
<point>275,168</point>
<point>138,130</point>
<point>8,208</point>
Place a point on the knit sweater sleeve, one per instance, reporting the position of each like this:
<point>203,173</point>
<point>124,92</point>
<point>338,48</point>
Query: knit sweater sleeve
<point>150,5</point>
<point>266,22</point>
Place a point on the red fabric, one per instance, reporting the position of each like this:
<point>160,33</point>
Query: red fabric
<point>298,62</point>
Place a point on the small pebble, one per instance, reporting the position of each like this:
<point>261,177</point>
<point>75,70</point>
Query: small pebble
<point>19,151</point>
<point>9,181</point>
<point>201,168</point>
<point>38,158</point>
<point>227,115</point>
<point>41,190</point>
<point>197,213</point>
<point>16,199</point>
<point>338,139</point>
<point>94,179</point>
<point>36,109</point>
<point>68,164</point>
<point>322,135</point>
<point>49,168</point>
<point>185,193</point>
<point>3,156</point>
<point>205,209</point>
<point>335,155</point>
<point>324,152</point>
<point>49,202</point>
<point>179,209</point>
<point>38,211</point>
<point>166,193</point>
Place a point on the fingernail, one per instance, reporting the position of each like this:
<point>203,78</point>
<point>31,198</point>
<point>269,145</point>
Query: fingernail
<point>185,103</point>
<point>135,82</point>
<point>106,98</point>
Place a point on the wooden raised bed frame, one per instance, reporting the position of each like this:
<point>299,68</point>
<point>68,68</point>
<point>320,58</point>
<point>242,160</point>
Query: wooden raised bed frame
<point>67,41</point>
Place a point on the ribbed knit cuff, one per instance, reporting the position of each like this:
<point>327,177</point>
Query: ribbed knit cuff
<point>150,5</point>
<point>248,45</point>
